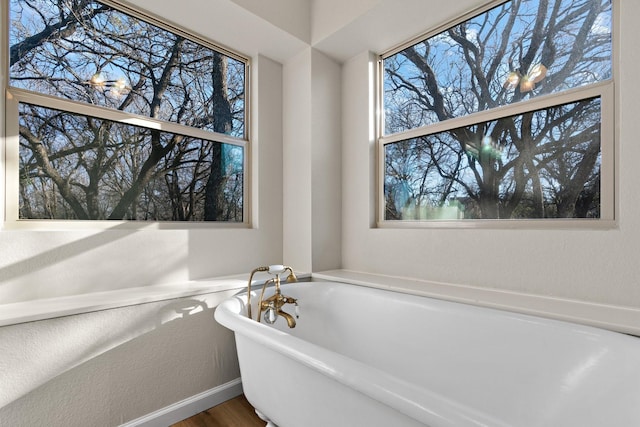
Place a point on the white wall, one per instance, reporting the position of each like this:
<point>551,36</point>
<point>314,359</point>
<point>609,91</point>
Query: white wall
<point>326,162</point>
<point>599,266</point>
<point>312,162</point>
<point>297,162</point>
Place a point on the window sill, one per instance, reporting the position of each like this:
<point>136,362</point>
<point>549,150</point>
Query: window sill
<point>504,224</point>
<point>49,308</point>
<point>623,319</point>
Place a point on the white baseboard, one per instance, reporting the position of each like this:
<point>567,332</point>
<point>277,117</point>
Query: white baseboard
<point>188,407</point>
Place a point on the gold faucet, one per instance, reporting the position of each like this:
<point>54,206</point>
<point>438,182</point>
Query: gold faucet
<point>272,306</point>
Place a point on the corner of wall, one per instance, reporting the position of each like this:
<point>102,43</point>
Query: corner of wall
<point>312,162</point>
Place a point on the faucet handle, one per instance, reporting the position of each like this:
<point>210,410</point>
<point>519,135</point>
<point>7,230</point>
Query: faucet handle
<point>270,315</point>
<point>277,269</point>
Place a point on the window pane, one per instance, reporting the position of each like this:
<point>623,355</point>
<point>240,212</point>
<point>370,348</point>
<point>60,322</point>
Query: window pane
<point>512,52</point>
<point>541,164</point>
<point>87,51</point>
<point>81,167</point>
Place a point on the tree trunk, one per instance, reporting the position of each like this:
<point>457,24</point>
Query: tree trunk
<point>214,190</point>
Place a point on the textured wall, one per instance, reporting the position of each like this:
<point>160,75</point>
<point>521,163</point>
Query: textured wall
<point>109,367</point>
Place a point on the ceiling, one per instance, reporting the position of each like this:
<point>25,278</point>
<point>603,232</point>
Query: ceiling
<point>280,29</point>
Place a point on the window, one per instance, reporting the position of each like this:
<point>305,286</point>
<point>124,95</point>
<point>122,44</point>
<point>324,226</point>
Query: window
<point>112,115</point>
<point>506,115</point>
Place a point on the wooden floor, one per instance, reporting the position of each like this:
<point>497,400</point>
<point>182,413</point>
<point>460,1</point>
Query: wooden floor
<point>236,412</point>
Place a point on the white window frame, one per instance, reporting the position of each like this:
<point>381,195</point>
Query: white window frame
<point>9,156</point>
<point>605,90</point>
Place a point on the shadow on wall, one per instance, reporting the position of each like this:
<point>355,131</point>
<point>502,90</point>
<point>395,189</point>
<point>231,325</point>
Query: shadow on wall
<point>107,368</point>
<point>90,259</point>
<point>66,250</point>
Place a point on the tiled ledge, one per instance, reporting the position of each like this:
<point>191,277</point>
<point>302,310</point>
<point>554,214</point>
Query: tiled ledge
<point>48,308</point>
<point>617,318</point>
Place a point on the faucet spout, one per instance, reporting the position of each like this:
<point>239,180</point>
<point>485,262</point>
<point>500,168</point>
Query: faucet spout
<point>291,322</point>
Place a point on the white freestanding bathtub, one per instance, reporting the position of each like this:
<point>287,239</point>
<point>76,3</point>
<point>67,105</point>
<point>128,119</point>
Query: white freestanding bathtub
<point>367,357</point>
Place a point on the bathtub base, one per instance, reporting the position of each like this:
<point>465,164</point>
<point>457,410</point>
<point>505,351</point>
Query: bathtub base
<point>264,418</point>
